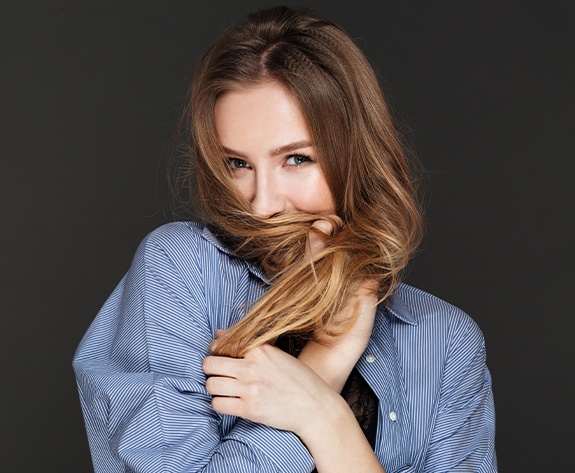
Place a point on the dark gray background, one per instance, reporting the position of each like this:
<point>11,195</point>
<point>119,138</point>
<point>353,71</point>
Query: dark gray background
<point>90,91</point>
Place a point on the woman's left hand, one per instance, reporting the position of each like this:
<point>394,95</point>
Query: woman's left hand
<point>271,387</point>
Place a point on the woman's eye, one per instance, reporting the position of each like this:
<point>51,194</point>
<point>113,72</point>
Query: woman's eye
<point>297,159</point>
<point>237,163</point>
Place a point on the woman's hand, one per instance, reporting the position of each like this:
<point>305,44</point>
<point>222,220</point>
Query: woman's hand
<point>364,299</point>
<point>270,387</point>
<point>333,357</point>
<point>301,395</point>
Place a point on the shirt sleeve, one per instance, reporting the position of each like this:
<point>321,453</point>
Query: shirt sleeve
<point>463,437</point>
<point>142,387</point>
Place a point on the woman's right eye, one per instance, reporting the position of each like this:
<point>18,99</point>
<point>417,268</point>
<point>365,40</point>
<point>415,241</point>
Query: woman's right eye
<point>237,163</point>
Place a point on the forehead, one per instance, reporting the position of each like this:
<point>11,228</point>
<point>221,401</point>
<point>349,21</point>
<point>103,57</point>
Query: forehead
<point>266,112</point>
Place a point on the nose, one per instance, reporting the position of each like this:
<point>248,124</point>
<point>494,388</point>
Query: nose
<point>268,199</point>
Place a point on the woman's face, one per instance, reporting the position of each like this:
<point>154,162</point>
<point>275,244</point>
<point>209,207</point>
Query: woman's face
<point>270,152</point>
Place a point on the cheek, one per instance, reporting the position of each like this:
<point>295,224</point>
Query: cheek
<point>245,185</point>
<point>326,198</point>
<point>313,195</point>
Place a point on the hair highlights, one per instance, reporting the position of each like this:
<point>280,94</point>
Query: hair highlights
<point>360,155</point>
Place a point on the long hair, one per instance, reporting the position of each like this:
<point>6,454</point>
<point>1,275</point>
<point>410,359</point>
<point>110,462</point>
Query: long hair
<point>359,152</point>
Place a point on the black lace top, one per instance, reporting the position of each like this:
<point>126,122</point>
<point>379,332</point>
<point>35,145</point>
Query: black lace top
<point>359,396</point>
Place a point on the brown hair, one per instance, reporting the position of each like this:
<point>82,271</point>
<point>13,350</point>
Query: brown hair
<point>360,154</point>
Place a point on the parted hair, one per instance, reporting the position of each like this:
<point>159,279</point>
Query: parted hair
<point>360,154</point>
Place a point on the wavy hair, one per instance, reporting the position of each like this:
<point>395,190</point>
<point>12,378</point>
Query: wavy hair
<point>359,152</point>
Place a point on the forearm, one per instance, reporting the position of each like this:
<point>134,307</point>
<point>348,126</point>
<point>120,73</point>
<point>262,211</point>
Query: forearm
<point>331,363</point>
<point>337,443</point>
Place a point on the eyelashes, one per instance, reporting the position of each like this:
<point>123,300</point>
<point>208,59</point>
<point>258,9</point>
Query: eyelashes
<point>298,159</point>
<point>237,163</point>
<point>295,160</point>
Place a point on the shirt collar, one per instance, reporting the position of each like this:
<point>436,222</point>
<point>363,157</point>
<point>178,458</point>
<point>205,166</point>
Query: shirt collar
<point>395,305</point>
<point>253,268</point>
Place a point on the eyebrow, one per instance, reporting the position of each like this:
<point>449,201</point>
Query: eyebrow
<point>276,152</point>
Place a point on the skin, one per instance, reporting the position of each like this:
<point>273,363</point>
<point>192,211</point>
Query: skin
<point>270,151</point>
<point>275,165</point>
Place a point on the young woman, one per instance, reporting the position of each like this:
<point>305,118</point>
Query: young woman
<point>277,336</point>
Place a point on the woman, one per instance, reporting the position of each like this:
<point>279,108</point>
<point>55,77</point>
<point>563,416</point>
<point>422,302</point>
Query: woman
<point>277,337</point>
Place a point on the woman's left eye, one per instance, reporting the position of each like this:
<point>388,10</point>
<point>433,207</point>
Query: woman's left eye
<point>297,159</point>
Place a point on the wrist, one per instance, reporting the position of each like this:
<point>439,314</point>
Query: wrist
<point>326,420</point>
<point>333,363</point>
<point>336,442</point>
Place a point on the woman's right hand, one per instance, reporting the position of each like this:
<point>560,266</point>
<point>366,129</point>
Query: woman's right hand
<point>333,357</point>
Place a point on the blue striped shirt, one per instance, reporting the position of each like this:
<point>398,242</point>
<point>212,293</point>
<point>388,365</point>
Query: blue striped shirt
<point>142,387</point>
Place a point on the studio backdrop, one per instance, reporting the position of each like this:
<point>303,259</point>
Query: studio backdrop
<point>483,92</point>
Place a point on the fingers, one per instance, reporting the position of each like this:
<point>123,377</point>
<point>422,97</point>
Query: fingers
<point>319,230</point>
<point>221,386</point>
<point>232,406</point>
<point>219,335</point>
<point>226,394</point>
<point>267,386</point>
<point>323,226</point>
<point>229,381</point>
<point>221,366</point>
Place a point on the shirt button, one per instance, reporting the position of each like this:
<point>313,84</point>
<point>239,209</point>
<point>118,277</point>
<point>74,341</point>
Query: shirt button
<point>393,416</point>
<point>370,358</point>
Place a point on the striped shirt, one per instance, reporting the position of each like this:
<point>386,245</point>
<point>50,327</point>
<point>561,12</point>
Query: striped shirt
<point>142,387</point>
